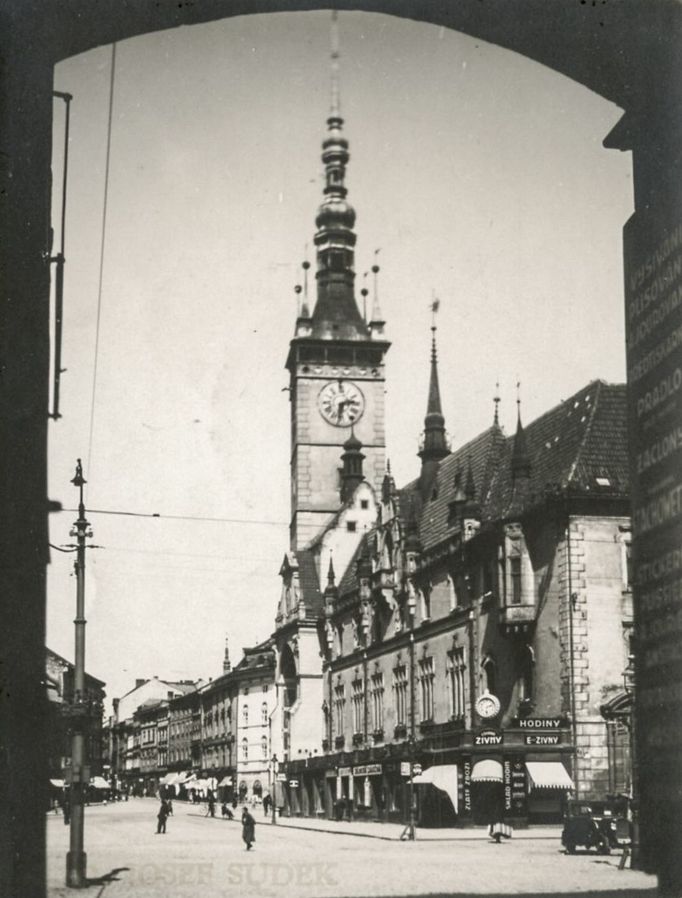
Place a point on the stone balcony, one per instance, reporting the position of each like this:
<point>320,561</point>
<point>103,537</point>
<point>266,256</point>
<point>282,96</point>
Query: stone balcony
<point>517,619</point>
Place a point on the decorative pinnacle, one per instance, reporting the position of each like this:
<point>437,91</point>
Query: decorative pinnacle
<point>496,400</point>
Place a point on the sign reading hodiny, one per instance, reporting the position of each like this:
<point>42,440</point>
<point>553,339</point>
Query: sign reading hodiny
<point>653,315</point>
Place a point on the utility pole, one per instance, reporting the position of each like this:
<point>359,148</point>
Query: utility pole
<point>76,858</point>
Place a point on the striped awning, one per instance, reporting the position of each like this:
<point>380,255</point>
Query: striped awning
<point>548,775</point>
<point>443,777</point>
<point>487,771</point>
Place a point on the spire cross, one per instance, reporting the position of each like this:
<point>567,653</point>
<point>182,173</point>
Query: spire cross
<point>496,400</point>
<point>518,397</point>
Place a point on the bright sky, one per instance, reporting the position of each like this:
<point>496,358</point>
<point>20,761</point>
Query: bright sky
<point>479,174</point>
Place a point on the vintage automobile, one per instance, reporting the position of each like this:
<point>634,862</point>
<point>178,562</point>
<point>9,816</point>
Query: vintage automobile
<point>595,824</point>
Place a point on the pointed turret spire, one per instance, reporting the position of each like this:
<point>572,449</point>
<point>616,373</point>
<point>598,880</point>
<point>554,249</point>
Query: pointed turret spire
<point>376,323</point>
<point>435,442</point>
<point>496,400</point>
<point>331,578</point>
<point>520,462</point>
<point>387,485</point>
<point>227,666</point>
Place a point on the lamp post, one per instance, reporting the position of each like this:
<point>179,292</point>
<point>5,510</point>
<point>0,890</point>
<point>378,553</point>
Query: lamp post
<point>76,858</point>
<point>410,831</point>
<point>273,791</point>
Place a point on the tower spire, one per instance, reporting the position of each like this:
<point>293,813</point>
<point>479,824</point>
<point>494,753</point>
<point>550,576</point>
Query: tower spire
<point>434,442</point>
<point>336,314</point>
<point>520,461</point>
<point>496,400</point>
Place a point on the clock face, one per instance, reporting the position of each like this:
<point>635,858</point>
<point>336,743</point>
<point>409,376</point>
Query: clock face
<point>488,705</point>
<point>341,403</point>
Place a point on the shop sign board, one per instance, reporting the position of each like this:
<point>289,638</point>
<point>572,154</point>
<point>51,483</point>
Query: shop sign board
<point>367,770</point>
<point>519,789</point>
<point>489,736</point>
<point>653,315</point>
<point>542,738</point>
<point>507,782</point>
<point>404,768</point>
<point>416,769</point>
<point>466,786</point>
<point>345,771</point>
<point>293,784</point>
<point>540,723</point>
<point>281,777</point>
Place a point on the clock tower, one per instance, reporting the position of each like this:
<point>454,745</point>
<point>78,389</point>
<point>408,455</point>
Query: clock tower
<point>336,358</point>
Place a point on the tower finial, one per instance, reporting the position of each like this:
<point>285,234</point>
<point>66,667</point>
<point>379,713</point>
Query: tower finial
<point>496,400</point>
<point>521,465</point>
<point>376,310</point>
<point>435,441</point>
<point>335,107</point>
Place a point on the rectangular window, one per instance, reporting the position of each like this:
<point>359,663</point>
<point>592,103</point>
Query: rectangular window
<point>358,706</point>
<point>456,669</point>
<point>426,679</point>
<point>378,702</point>
<point>400,685</point>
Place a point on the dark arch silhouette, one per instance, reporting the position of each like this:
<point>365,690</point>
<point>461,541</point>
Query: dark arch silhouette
<point>625,50</point>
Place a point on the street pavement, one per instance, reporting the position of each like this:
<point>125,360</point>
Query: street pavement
<point>201,857</point>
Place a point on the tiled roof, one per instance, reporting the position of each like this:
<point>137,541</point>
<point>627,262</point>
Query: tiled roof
<point>576,442</point>
<point>309,583</point>
<point>349,581</point>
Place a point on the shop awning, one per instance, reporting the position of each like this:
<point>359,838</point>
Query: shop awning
<point>167,779</point>
<point>225,781</point>
<point>443,777</point>
<point>99,782</point>
<point>487,771</point>
<point>181,778</point>
<point>548,775</point>
<point>58,783</point>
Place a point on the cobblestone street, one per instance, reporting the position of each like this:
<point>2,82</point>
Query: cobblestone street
<point>206,857</point>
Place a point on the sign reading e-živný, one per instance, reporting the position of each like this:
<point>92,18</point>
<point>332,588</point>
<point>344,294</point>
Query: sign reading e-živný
<point>653,315</point>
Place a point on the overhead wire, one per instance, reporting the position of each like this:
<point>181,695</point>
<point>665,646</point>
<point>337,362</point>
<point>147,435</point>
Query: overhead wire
<point>180,517</point>
<point>101,253</point>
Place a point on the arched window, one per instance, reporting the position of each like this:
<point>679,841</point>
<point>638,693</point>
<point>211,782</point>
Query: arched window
<point>264,746</point>
<point>245,749</point>
<point>264,712</point>
<point>245,715</point>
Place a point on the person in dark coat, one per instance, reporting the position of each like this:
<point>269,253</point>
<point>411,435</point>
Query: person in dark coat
<point>267,801</point>
<point>162,817</point>
<point>248,828</point>
<point>66,808</point>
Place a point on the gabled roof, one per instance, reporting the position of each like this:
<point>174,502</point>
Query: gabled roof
<point>309,583</point>
<point>349,582</point>
<point>580,444</point>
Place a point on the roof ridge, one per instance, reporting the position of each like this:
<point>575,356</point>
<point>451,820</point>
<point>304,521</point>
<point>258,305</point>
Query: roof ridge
<point>588,429</point>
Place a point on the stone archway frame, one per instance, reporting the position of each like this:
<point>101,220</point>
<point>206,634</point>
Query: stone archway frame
<point>624,50</point>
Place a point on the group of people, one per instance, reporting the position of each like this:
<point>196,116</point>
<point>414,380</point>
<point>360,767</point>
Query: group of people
<point>248,822</point>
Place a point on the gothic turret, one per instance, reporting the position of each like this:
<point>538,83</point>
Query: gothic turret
<point>351,473</point>
<point>520,462</point>
<point>434,445</point>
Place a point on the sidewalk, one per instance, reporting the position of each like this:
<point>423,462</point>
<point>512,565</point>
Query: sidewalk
<point>392,831</point>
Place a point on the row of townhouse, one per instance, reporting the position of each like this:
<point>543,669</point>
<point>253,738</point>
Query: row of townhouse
<point>198,736</point>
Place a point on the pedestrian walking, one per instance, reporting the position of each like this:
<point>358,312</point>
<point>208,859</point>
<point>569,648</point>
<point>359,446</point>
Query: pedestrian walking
<point>66,808</point>
<point>162,817</point>
<point>169,805</point>
<point>210,810</point>
<point>267,801</point>
<point>248,828</point>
